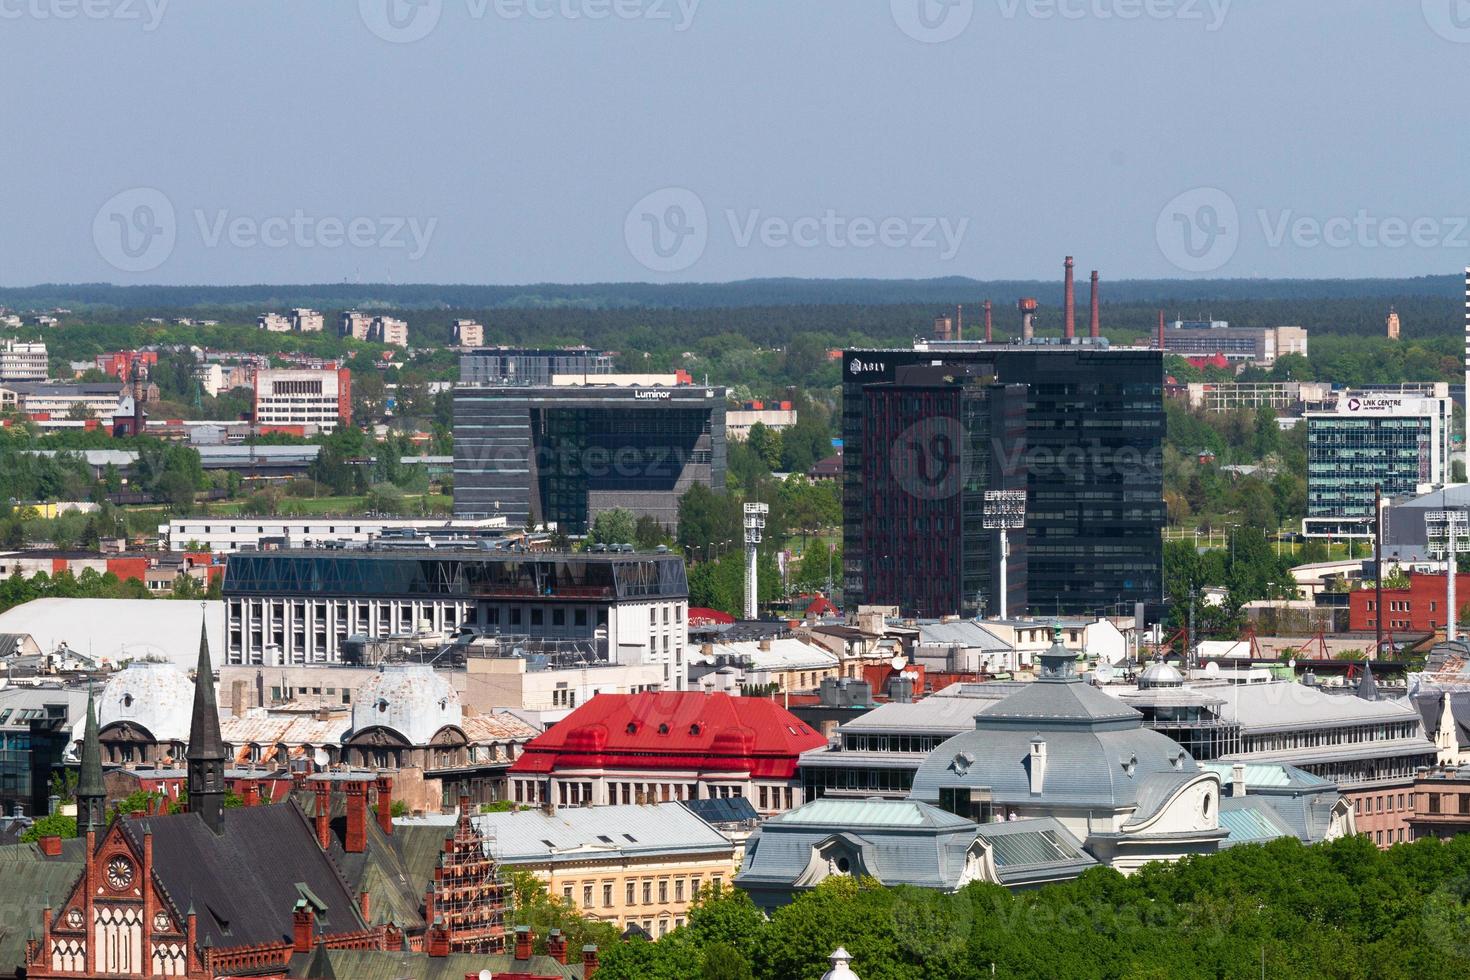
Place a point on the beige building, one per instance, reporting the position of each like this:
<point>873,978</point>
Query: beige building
<point>274,322</point>
<point>626,865</point>
<point>307,321</point>
<point>387,330</point>
<point>355,324</point>
<point>468,333</point>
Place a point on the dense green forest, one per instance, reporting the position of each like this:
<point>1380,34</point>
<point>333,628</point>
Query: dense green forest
<point>1283,910</point>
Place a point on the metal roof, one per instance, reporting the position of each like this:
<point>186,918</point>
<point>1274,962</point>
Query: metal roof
<point>963,633</point>
<point>118,629</point>
<point>839,812</point>
<point>1250,821</point>
<point>580,833</point>
<point>1287,705</point>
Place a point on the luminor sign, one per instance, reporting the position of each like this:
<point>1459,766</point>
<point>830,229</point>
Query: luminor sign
<point>651,394</point>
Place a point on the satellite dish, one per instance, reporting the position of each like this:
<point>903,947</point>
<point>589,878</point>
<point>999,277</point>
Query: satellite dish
<point>321,758</point>
<point>1104,673</point>
<point>485,975</point>
<point>899,661</point>
<point>1291,663</point>
<point>1212,669</point>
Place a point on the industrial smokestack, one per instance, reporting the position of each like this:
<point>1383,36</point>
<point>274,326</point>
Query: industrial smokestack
<point>987,320</point>
<point>959,322</point>
<point>1161,319</point>
<point>1027,306</point>
<point>1092,325</point>
<point>1071,302</point>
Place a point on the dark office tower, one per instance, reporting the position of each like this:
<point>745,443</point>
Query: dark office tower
<point>563,454</point>
<point>1094,429</point>
<point>934,440</point>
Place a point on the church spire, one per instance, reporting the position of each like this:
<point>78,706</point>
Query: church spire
<point>206,753</point>
<point>91,795</point>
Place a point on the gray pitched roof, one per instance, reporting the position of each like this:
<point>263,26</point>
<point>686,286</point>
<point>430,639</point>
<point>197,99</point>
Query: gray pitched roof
<point>245,880</point>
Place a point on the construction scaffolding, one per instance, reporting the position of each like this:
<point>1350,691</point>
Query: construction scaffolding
<point>467,898</point>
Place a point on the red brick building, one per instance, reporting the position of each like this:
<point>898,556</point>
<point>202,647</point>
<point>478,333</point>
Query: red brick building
<point>1421,608</point>
<point>661,746</point>
<point>120,363</point>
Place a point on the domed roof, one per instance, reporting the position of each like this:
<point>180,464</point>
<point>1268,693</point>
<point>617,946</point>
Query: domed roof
<point>1098,752</point>
<point>1160,674</point>
<point>411,699</point>
<point>156,696</point>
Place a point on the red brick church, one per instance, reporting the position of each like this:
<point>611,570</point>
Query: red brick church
<point>265,890</point>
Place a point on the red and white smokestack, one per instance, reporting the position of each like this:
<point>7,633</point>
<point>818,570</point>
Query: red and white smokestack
<point>1092,325</point>
<point>987,318</point>
<point>1071,302</point>
<point>1161,330</point>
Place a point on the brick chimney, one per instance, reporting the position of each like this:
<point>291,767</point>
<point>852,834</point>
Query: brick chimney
<point>556,946</point>
<point>523,942</point>
<point>1093,324</point>
<point>248,796</point>
<point>365,906</point>
<point>302,927</point>
<point>323,814</point>
<point>50,846</point>
<point>356,841</point>
<point>987,321</point>
<point>1071,301</point>
<point>384,785</point>
<point>1161,330</point>
<point>589,962</point>
<point>437,942</point>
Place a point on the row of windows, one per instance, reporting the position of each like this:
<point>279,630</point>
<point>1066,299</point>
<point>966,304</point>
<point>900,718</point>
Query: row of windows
<point>646,889</point>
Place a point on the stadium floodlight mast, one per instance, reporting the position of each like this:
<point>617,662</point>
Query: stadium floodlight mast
<point>755,523</point>
<point>1448,535</point>
<point>1004,511</point>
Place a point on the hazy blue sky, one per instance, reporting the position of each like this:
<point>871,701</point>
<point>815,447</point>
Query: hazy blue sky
<point>244,141</point>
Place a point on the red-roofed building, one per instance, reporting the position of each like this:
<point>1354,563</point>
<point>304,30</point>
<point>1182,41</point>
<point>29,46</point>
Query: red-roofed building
<point>670,745</point>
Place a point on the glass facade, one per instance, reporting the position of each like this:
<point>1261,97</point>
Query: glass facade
<point>930,452</point>
<point>1093,430</point>
<point>561,455</point>
<point>1348,456</point>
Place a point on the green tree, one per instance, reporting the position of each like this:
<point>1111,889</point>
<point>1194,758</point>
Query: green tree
<point>613,526</point>
<point>51,825</point>
<point>765,442</point>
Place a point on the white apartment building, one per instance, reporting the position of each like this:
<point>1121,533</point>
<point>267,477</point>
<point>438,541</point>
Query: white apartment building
<point>225,535</point>
<point>387,330</point>
<point>23,361</point>
<point>307,321</point>
<point>468,333</point>
<point>354,324</point>
<point>274,322</point>
<point>303,396</point>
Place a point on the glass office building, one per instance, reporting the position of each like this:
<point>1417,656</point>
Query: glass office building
<point>1369,440</point>
<point>301,606</point>
<point>562,455</point>
<point>529,366</point>
<point>934,441</point>
<point>1093,470</point>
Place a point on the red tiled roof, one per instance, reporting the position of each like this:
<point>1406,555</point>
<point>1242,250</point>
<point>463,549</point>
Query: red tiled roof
<point>673,730</point>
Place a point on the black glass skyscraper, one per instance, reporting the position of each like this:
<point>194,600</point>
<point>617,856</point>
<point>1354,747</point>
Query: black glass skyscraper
<point>1093,470</point>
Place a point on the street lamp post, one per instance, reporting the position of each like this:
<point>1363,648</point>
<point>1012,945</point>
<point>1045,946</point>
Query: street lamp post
<point>1004,511</point>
